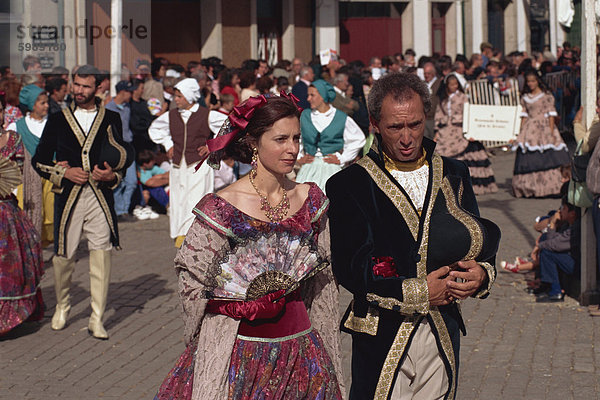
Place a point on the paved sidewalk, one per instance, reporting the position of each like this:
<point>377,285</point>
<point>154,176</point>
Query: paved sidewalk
<point>515,348</point>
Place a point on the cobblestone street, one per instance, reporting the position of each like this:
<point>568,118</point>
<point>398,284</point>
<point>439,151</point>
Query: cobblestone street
<point>515,348</point>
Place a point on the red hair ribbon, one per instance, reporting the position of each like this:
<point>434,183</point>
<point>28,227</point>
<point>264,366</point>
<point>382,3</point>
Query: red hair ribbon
<point>239,118</point>
<point>293,98</point>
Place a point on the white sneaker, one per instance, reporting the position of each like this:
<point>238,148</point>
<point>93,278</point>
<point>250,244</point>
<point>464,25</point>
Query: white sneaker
<point>140,213</point>
<point>151,214</point>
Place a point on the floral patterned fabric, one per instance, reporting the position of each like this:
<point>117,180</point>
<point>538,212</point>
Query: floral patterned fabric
<point>21,263</point>
<point>218,229</point>
<point>293,369</point>
<point>12,114</point>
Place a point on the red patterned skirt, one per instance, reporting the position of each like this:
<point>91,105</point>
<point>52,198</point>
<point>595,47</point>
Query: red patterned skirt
<point>21,268</point>
<point>265,365</point>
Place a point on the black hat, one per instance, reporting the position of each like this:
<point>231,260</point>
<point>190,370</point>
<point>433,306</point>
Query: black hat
<point>118,154</point>
<point>124,85</point>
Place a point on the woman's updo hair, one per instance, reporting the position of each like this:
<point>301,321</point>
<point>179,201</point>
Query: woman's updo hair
<point>263,119</point>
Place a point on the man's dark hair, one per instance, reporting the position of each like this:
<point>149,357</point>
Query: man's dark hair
<point>3,70</point>
<point>192,64</point>
<point>135,83</point>
<point>250,65</point>
<point>402,87</point>
<point>214,61</point>
<point>410,52</point>
<point>463,58</point>
<point>87,70</point>
<point>247,78</point>
<point>54,85</point>
<point>424,60</point>
<point>156,64</point>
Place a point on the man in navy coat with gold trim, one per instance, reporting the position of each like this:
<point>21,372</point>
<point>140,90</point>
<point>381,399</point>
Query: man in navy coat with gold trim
<point>83,154</point>
<point>404,227</point>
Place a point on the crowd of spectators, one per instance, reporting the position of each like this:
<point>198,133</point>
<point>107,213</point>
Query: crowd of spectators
<point>146,91</point>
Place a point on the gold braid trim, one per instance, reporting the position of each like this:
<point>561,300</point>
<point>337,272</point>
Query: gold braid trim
<point>437,167</point>
<point>475,231</point>
<point>491,272</point>
<point>446,342</point>
<point>118,178</point>
<point>62,251</point>
<point>75,127</point>
<point>89,140</point>
<point>392,360</point>
<point>409,214</point>
<point>415,294</point>
<point>368,324</point>
<point>121,149</point>
<point>56,172</point>
<point>436,316</point>
<point>406,328</point>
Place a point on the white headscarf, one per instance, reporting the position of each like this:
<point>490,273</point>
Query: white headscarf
<point>172,73</point>
<point>190,89</point>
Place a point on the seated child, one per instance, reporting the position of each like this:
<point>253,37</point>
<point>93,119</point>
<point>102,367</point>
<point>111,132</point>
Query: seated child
<point>154,179</point>
<point>559,249</point>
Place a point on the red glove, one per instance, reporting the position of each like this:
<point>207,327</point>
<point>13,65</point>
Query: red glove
<point>262,308</point>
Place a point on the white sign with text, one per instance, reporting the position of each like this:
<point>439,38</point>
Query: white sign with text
<point>491,123</point>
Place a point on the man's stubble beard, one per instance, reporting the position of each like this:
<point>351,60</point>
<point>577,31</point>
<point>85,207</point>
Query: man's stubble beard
<point>85,101</point>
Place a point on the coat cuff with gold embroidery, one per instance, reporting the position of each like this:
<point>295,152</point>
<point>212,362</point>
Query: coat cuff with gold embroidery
<point>117,180</point>
<point>484,291</point>
<point>367,324</point>
<point>415,294</point>
<point>55,173</point>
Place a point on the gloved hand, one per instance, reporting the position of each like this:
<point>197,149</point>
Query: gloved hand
<point>262,308</point>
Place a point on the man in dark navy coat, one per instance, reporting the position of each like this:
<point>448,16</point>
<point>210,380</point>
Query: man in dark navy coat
<point>83,154</point>
<point>300,89</point>
<point>404,227</point>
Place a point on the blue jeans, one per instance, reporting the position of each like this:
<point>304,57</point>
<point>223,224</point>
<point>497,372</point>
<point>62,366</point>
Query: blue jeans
<point>159,194</point>
<point>550,262</point>
<point>125,190</point>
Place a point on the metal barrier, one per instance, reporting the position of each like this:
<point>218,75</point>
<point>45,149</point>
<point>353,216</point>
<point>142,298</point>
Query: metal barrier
<point>483,92</point>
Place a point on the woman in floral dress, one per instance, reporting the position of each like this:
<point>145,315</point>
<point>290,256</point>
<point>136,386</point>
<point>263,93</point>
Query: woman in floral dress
<point>451,141</point>
<point>21,263</point>
<point>541,152</point>
<point>277,346</point>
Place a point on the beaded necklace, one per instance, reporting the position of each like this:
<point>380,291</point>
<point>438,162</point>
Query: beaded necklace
<point>274,214</point>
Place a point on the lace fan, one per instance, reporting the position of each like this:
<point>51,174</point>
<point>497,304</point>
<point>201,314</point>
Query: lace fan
<point>10,176</point>
<point>266,264</point>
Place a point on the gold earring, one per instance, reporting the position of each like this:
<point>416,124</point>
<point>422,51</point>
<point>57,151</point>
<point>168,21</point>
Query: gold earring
<point>254,162</point>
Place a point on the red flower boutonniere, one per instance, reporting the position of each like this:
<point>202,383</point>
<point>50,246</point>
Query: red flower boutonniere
<point>385,267</point>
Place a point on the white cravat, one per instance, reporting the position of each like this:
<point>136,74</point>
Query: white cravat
<point>85,118</point>
<point>414,183</point>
